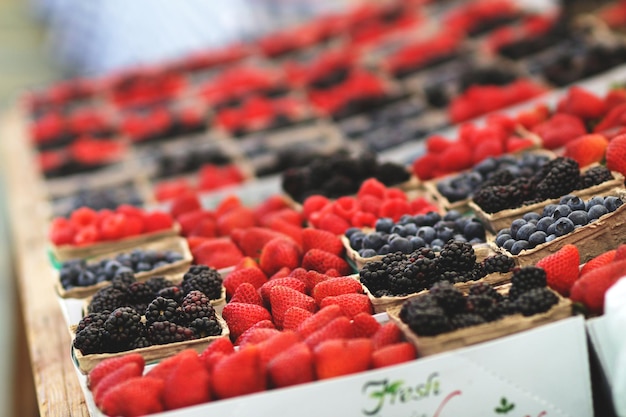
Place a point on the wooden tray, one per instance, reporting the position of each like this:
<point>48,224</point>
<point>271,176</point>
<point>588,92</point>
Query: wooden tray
<point>86,363</point>
<point>430,345</point>
<point>174,243</point>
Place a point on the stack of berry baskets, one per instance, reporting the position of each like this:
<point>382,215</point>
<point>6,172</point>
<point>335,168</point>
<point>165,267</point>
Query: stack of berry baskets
<point>444,318</point>
<point>156,318</point>
<point>595,225</point>
<point>593,180</point>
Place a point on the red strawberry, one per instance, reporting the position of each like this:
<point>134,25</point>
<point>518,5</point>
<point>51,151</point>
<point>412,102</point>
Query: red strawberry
<point>123,373</point>
<point>336,286</point>
<point>279,252</point>
<point>206,227</point>
<point>253,276</point>
<point>256,335</point>
<point>217,252</point>
<point>393,354</point>
<point>331,222</point>
<point>246,262</point>
<point>240,317</point>
<point>591,287</point>
<point>157,220</point>
<point>314,204</point>
<point>582,103</point>
<point>338,328</point>
<point>388,334</point>
<point>515,144</point>
<point>107,366</point>
<point>246,293</point>
<point>286,228</point>
<point>620,252</point>
<point>281,298</point>
<point>455,158</point>
<point>294,316</point>
<point>287,214</point>
<point>587,149</point>
<point>321,239</point>
<point>136,396</point>
<point>229,203</point>
<point>437,144</point>
<point>190,220</point>
<point>616,154</point>
<point>292,366</point>
<point>252,239</point>
<point>222,345</point>
<point>364,325</point>
<point>279,342</point>
<point>238,217</point>
<point>185,203</point>
<point>312,278</point>
<point>318,320</point>
<point>561,268</point>
<point>600,260</point>
<point>290,282</point>
<point>271,204</point>
<point>351,304</point>
<point>559,129</point>
<point>240,373</point>
<point>342,357</point>
<point>321,261</point>
<point>188,383</point>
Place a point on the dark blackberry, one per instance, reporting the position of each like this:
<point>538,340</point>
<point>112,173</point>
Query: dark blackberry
<point>174,292</point>
<point>462,320</point>
<point>451,276</point>
<point>122,281</point>
<point>524,279</point>
<point>163,332</point>
<point>557,178</point>
<point>91,339</point>
<point>500,177</point>
<point>482,288</point>
<point>457,256</point>
<point>156,284</point>
<point>536,300</point>
<point>96,319</point>
<point>107,298</point>
<point>484,306</point>
<point>594,176</point>
<point>205,327</point>
<point>205,279</point>
<point>390,173</point>
<point>506,307</point>
<point>389,276</point>
<point>478,272</point>
<point>424,266</point>
<point>140,342</point>
<point>425,320</point>
<point>498,263</point>
<point>123,325</point>
<point>139,293</point>
<point>450,298</point>
<point>163,309</point>
<point>197,305</point>
<point>495,198</point>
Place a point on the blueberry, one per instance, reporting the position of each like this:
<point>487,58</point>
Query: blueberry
<point>502,238</point>
<point>550,238</point>
<point>525,231</point>
<point>612,203</point>
<point>384,249</point>
<point>149,256</point>
<point>405,219</point>
<point>111,268</point>
<point>124,259</point>
<point>486,166</point>
<point>352,230</point>
<point>160,264</point>
<point>86,278</point>
<point>595,212</point>
<point>563,226</point>
<point>459,238</point>
<point>474,230</point>
<point>548,210</point>
<point>576,203</point>
<point>427,233</point>
<point>391,237</point>
<point>373,240</point>
<point>544,223</point>
<point>356,240</point>
<point>417,242</point>
<point>420,220</point>
<point>437,244</point>
<point>537,238</point>
<point>452,215</point>
<point>566,199</point>
<point>445,234</point>
<point>531,216</point>
<point>143,266</point>
<point>506,230</point>
<point>562,210</point>
<point>124,270</point>
<point>579,217</point>
<point>384,224</point>
<point>410,229</point>
<point>401,244</point>
<point>552,228</point>
<point>459,224</point>
<point>431,218</point>
<point>519,246</point>
<point>509,244</point>
<point>515,226</point>
<point>367,253</point>
<point>595,201</point>
<point>398,229</point>
<point>171,257</point>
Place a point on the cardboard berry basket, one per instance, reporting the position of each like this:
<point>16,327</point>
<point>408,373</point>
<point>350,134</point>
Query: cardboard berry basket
<point>430,345</point>
<point>175,243</point>
<point>86,363</point>
<point>502,219</point>
<point>67,252</point>
<point>597,237</point>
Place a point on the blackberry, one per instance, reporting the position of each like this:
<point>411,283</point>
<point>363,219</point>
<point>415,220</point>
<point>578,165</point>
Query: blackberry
<point>163,332</point>
<point>156,284</point>
<point>204,279</point>
<point>524,279</point>
<point>205,327</point>
<point>594,176</point>
<point>557,178</point>
<point>424,266</point>
<point>174,292</point>
<point>457,256</point>
<point>506,307</point>
<point>140,342</point>
<point>478,272</point>
<point>451,276</point>
<point>536,300</point>
<point>96,319</point>
<point>196,305</point>
<point>163,309</point>
<point>140,293</point>
<point>484,306</point>
<point>500,177</point>
<point>482,288</point>
<point>123,280</point>
<point>107,298</point>
<point>462,320</point>
<point>495,198</point>
<point>498,263</point>
<point>424,320</point>
<point>91,339</point>
<point>450,298</point>
<point>123,325</point>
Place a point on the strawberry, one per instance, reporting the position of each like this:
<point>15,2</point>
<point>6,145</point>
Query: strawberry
<point>587,149</point>
<point>271,204</point>
<point>253,276</point>
<point>189,220</point>
<point>582,103</point>
<point>217,252</point>
<point>294,316</point>
<point>318,320</point>
<point>286,228</point>
<point>207,227</point>
<point>246,293</point>
<point>321,261</point>
<point>314,204</point>
<point>393,354</point>
<point>351,304</point>
<point>561,268</point>
<point>255,335</point>
<point>312,278</point>
<point>437,144</point>
<point>388,334</point>
<point>332,223</point>
<point>240,317</point>
<point>184,203</point>
<point>620,252</point>
<point>321,239</point>
<point>238,217</point>
<point>107,366</point>
<point>157,220</point>
<point>613,119</point>
<point>287,214</point>
<point>281,298</point>
<point>335,358</point>
<point>337,328</point>
<point>121,374</point>
<point>240,373</point>
<point>290,282</point>
<point>165,367</point>
<point>292,366</point>
<point>364,325</point>
<point>616,154</point>
<point>516,144</point>
<point>246,262</point>
<point>135,396</point>
<point>281,273</point>
<point>227,204</point>
<point>591,287</point>
<point>252,239</point>
<point>559,130</point>
<point>336,286</point>
<point>188,383</point>
<point>600,260</point>
<point>221,345</point>
<point>279,252</point>
<point>455,158</point>
<point>272,346</point>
